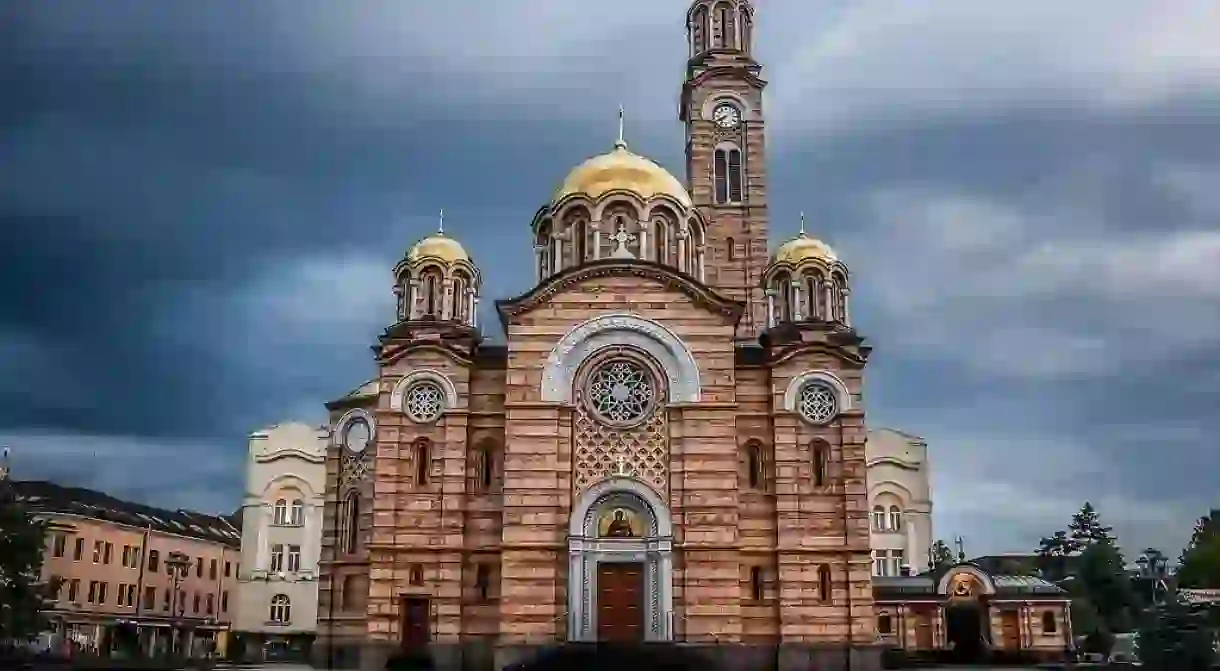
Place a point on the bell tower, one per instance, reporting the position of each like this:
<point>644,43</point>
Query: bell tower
<point>725,151</point>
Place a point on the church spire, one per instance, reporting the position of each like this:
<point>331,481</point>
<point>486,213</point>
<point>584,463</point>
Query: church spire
<point>621,142</point>
<point>440,224</point>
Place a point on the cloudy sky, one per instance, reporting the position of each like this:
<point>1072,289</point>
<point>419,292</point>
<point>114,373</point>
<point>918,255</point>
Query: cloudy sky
<point>200,204</point>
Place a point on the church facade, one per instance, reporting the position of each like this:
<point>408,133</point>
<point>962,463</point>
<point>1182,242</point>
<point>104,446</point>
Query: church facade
<point>669,445</point>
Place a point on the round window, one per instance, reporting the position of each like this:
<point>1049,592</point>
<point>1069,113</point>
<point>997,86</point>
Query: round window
<point>818,403</point>
<point>357,435</point>
<point>621,392</point>
<point>424,402</point>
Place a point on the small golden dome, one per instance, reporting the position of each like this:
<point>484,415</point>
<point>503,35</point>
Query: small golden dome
<point>622,169</point>
<point>804,247</point>
<point>438,245</point>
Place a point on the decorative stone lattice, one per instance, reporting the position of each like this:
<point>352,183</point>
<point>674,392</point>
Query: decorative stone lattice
<point>817,403</point>
<point>621,392</point>
<point>424,402</point>
<point>354,469</point>
<point>603,451</point>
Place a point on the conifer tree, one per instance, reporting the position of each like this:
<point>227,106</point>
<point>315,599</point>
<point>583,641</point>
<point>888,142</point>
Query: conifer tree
<point>23,594</point>
<point>1086,528</point>
<point>1201,558</point>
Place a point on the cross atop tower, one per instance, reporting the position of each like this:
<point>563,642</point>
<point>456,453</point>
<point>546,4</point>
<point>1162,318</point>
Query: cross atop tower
<point>440,225</point>
<point>621,143</point>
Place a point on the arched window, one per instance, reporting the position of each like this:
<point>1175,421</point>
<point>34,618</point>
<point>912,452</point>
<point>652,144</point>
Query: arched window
<point>727,175</point>
<point>430,280</point>
<point>754,466</point>
<point>895,518</point>
<point>884,625</point>
<point>1049,625</point>
<point>878,518</point>
<point>484,468</point>
<point>824,583</point>
<point>280,513</point>
<point>732,246</point>
<point>730,27</point>
<point>347,599</point>
<point>459,303</point>
<point>580,241</point>
<point>699,31</point>
<point>298,512</point>
<point>543,244</point>
<point>281,609</point>
<point>746,26</point>
<point>660,240</point>
<point>839,308</point>
<point>423,461</point>
<point>350,526</point>
<point>815,296</point>
<point>719,37</point>
<point>756,583</point>
<point>415,576</point>
<point>821,461</point>
<point>482,581</point>
<point>783,297</point>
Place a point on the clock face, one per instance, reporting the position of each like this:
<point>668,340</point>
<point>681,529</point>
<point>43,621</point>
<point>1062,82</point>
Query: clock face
<point>726,116</point>
<point>357,436</point>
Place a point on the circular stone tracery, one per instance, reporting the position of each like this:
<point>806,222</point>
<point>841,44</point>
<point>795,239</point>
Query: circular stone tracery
<point>817,403</point>
<point>424,402</point>
<point>621,392</point>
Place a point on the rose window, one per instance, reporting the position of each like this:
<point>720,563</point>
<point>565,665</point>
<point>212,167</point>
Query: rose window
<point>620,392</point>
<point>818,403</point>
<point>424,402</point>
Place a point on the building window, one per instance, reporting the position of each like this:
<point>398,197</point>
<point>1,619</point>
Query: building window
<point>108,553</point>
<point>885,626</point>
<point>198,567</point>
<point>121,598</point>
<point>224,601</point>
<point>416,575</point>
<point>878,518</point>
<point>621,392</point>
<point>727,176</point>
<point>821,459</point>
<point>896,562</point>
<point>195,603</point>
<point>212,569</point>
<point>98,546</point>
<point>228,569</point>
<point>817,403</point>
<point>484,469</point>
<point>277,557</point>
<point>279,513</point>
<point>754,466</point>
<point>59,545</point>
<point>79,550</point>
<point>101,592</point>
<point>423,461</point>
<point>298,512</point>
<point>482,581</point>
<point>74,590</point>
<point>281,609</point>
<point>756,583</point>
<point>878,562</point>
<point>294,558</point>
<point>424,402</point>
<point>154,559</point>
<point>150,597</point>
<point>165,601</point>
<point>1049,625</point>
<point>209,605</point>
<point>350,530</point>
<point>126,555</point>
<point>92,598</point>
<point>824,584</point>
<point>895,518</point>
<point>732,247</point>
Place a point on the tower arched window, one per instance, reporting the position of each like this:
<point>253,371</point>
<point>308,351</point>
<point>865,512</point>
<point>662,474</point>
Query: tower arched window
<point>542,242</point>
<point>821,463</point>
<point>430,281</point>
<point>459,303</point>
<point>730,28</point>
<point>423,461</point>
<point>298,512</point>
<point>279,514</point>
<point>349,527</point>
<point>719,36</point>
<point>825,585</point>
<point>660,240</point>
<point>895,521</point>
<point>484,468</point>
<point>580,241</point>
<point>815,296</point>
<point>878,518</point>
<point>732,249</point>
<point>755,475</point>
<point>783,296</point>
<point>838,286</point>
<point>746,25</point>
<point>727,175</point>
<point>698,31</point>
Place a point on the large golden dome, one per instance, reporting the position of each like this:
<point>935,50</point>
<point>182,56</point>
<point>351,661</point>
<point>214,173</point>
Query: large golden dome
<point>803,247</point>
<point>622,169</point>
<point>438,245</point>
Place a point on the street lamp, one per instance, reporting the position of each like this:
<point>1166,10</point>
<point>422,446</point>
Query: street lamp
<point>178,564</point>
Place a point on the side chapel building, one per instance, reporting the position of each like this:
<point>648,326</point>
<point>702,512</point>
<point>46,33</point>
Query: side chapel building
<point>670,445</point>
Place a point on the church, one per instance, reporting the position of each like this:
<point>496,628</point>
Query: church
<point>667,445</point>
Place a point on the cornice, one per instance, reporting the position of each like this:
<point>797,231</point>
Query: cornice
<point>288,453</point>
<point>702,294</point>
<point>393,351</point>
<point>842,353</point>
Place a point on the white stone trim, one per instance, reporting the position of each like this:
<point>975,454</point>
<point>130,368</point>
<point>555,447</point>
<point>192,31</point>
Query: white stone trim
<point>336,436</point>
<point>400,388</point>
<point>742,105</point>
<point>792,394</point>
<point>942,587</point>
<point>621,329</point>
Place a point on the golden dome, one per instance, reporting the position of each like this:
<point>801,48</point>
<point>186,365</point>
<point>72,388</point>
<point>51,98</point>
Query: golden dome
<point>622,169</point>
<point>440,246</point>
<point>804,247</point>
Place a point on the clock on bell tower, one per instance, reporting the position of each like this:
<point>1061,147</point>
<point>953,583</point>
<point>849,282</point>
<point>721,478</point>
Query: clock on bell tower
<point>725,157</point>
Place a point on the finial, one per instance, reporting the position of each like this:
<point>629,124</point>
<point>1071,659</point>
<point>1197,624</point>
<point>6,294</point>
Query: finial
<point>802,224</point>
<point>621,143</point>
<point>440,226</point>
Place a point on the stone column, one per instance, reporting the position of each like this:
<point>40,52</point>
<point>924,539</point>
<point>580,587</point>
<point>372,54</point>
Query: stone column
<point>537,264</point>
<point>644,249</point>
<point>846,319</point>
<point>474,309</point>
<point>413,300</point>
<point>557,258</point>
<point>699,261</point>
<point>682,264</point>
<point>796,301</point>
<point>770,308</point>
<point>828,308</point>
<point>447,300</point>
<point>262,559</point>
<point>597,238</point>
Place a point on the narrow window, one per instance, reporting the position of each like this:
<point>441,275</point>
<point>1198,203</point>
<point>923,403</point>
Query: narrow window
<point>718,34</point>
<point>210,605</point>
<point>351,527</point>
<point>195,603</point>
<point>154,559</point>
<point>1049,625</point>
<point>280,513</point>
<point>732,249</point>
<point>820,459</point>
<point>277,558</point>
<point>423,462</point>
<point>735,183</point>
<point>580,240</point>
<point>150,597</point>
<point>878,518</point>
<point>756,583</point>
<point>884,625</point>
<point>895,518</point>
<point>212,570</point>
<point>824,585</point>
<point>720,172</point>
<point>78,550</point>
<point>298,512</point>
<point>294,558</point>
<point>416,575</point>
<point>754,466</point>
<point>484,468</point>
<point>224,601</point>
<point>482,581</point>
<point>60,545</point>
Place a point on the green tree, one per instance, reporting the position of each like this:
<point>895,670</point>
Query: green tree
<point>1101,578</point>
<point>1086,528</point>
<point>1201,558</point>
<point>1052,555</point>
<point>23,594</point>
<point>942,556</point>
<point>1176,638</point>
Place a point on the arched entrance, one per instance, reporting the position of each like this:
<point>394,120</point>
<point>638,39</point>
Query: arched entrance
<point>620,571</point>
<point>967,625</point>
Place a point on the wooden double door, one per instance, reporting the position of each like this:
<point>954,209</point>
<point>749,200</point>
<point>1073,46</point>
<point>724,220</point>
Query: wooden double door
<point>620,601</point>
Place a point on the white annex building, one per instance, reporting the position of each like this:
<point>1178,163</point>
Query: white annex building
<point>277,611</point>
<point>900,501</point>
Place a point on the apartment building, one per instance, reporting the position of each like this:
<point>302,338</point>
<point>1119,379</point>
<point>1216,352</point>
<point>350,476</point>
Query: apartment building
<point>900,502</point>
<point>134,575</point>
<point>277,612</point>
